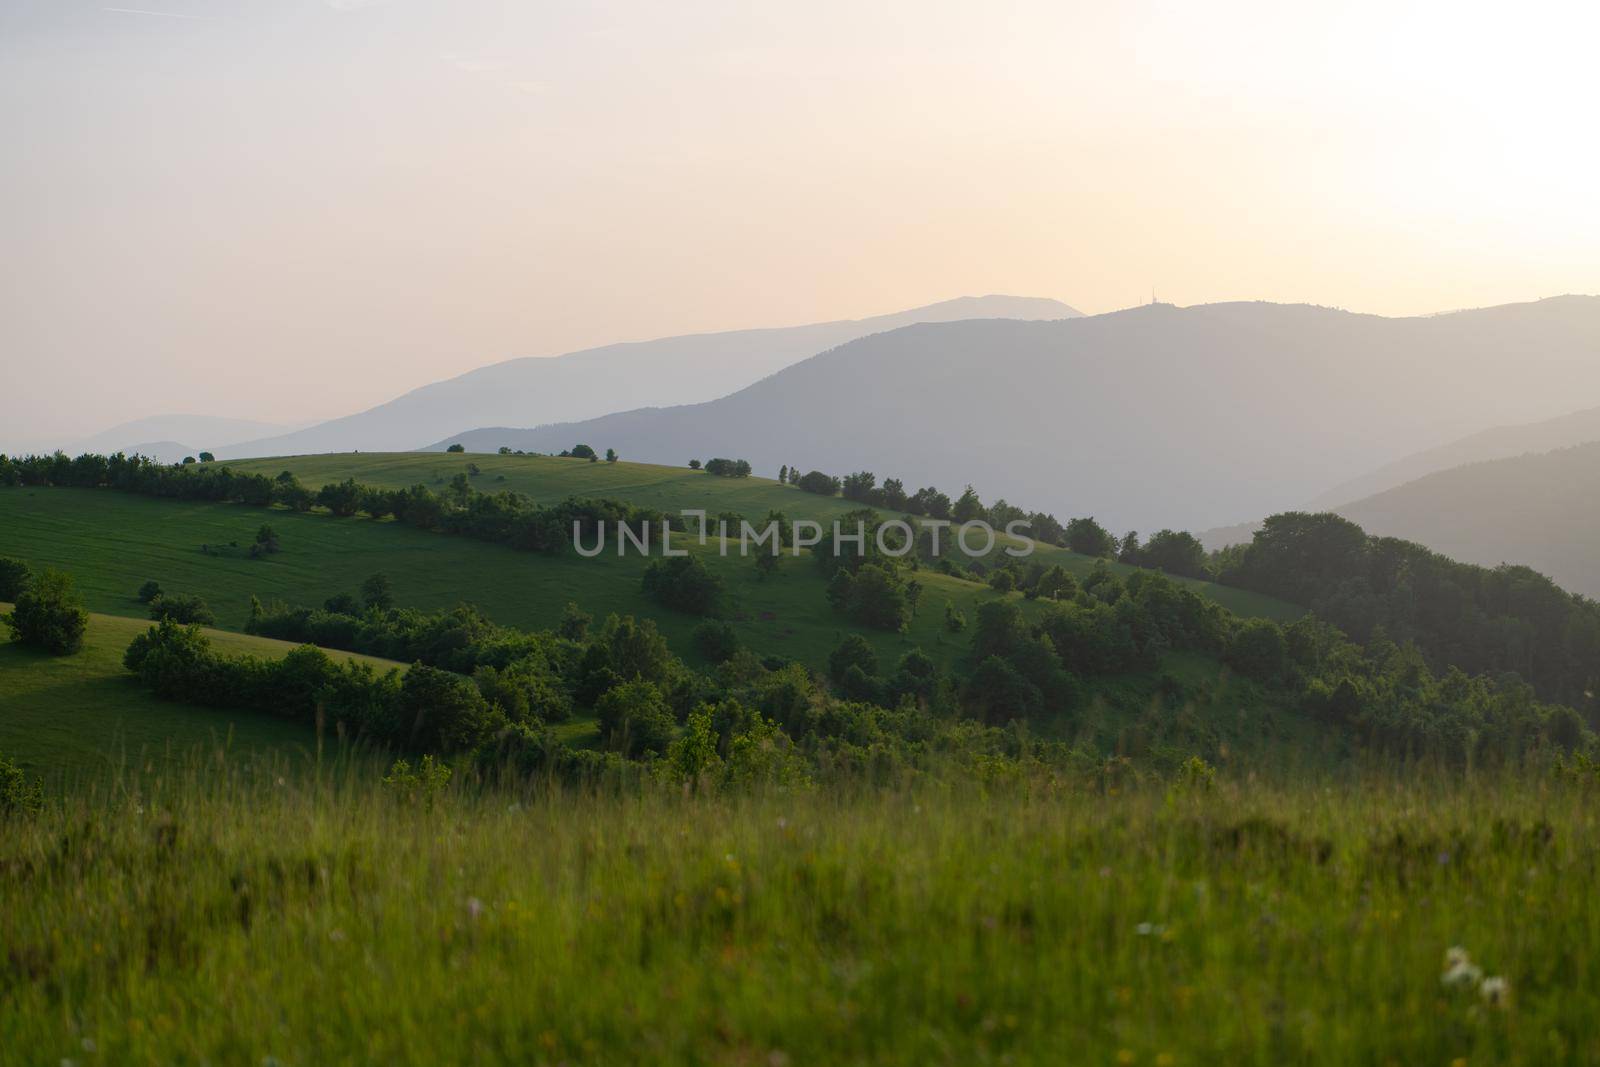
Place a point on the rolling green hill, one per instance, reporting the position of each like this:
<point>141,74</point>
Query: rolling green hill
<point>113,542</point>
<point>74,719</point>
<point>550,478</point>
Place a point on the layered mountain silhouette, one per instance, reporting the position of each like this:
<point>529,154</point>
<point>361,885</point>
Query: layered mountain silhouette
<point>1155,416</point>
<point>1541,510</point>
<point>168,438</point>
<point>673,370</point>
<point>1499,442</point>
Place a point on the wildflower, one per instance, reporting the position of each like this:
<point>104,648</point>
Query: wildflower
<point>1149,929</point>
<point>474,908</point>
<point>1455,955</point>
<point>1496,991</point>
<point>1462,975</point>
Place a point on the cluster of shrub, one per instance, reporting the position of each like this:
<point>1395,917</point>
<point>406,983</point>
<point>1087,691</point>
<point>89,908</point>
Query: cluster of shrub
<point>475,687</point>
<point>1173,551</point>
<point>1478,619</point>
<point>46,609</point>
<point>494,691</point>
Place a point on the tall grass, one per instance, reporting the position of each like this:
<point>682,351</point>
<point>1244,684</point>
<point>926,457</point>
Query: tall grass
<point>233,913</point>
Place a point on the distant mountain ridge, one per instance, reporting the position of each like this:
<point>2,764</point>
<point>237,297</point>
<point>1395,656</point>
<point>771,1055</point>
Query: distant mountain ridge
<point>1150,417</point>
<point>162,433</point>
<point>1537,509</point>
<point>1497,442</point>
<point>593,382</point>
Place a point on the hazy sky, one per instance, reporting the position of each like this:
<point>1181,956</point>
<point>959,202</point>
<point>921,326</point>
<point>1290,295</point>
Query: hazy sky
<point>292,209</point>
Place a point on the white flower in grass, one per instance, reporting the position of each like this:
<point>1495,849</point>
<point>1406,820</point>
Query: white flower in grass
<point>1454,956</point>
<point>1462,976</point>
<point>1496,991</point>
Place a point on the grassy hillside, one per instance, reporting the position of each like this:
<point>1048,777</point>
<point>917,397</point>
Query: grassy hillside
<point>113,542</point>
<point>74,718</point>
<point>547,479</point>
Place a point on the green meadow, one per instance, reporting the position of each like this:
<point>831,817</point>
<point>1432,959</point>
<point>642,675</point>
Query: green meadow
<point>238,914</point>
<point>80,721</point>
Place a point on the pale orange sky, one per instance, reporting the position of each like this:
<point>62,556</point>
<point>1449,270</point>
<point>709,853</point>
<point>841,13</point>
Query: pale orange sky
<point>292,209</point>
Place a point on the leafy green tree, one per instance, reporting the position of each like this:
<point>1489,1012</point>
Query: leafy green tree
<point>611,455</point>
<point>634,719</point>
<point>894,494</point>
<point>441,711</point>
<point>873,596</point>
<point>342,604</point>
<point>684,584</point>
<point>1002,580</point>
<point>693,756</point>
<point>207,457</point>
<point>377,593</point>
<point>457,447</point>
<point>783,474</point>
<point>266,542</point>
<point>1000,630</point>
<point>716,641</point>
<point>728,468</point>
<point>49,613</point>
<point>1056,584</point>
<point>341,498</point>
<point>149,591</point>
<point>1175,552</point>
<point>19,795</point>
<point>853,651</point>
<point>187,460</point>
<point>1258,650</point>
<point>766,564</point>
<point>859,486</point>
<point>1088,538</point>
<point>574,624</point>
<point>636,649</point>
<point>694,464</point>
<point>294,496</point>
<point>14,576</point>
<point>968,507</point>
<point>583,452</point>
<point>523,692</point>
<point>997,693</point>
<point>954,620</point>
<point>916,676</point>
<point>819,483</point>
<point>182,608</point>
